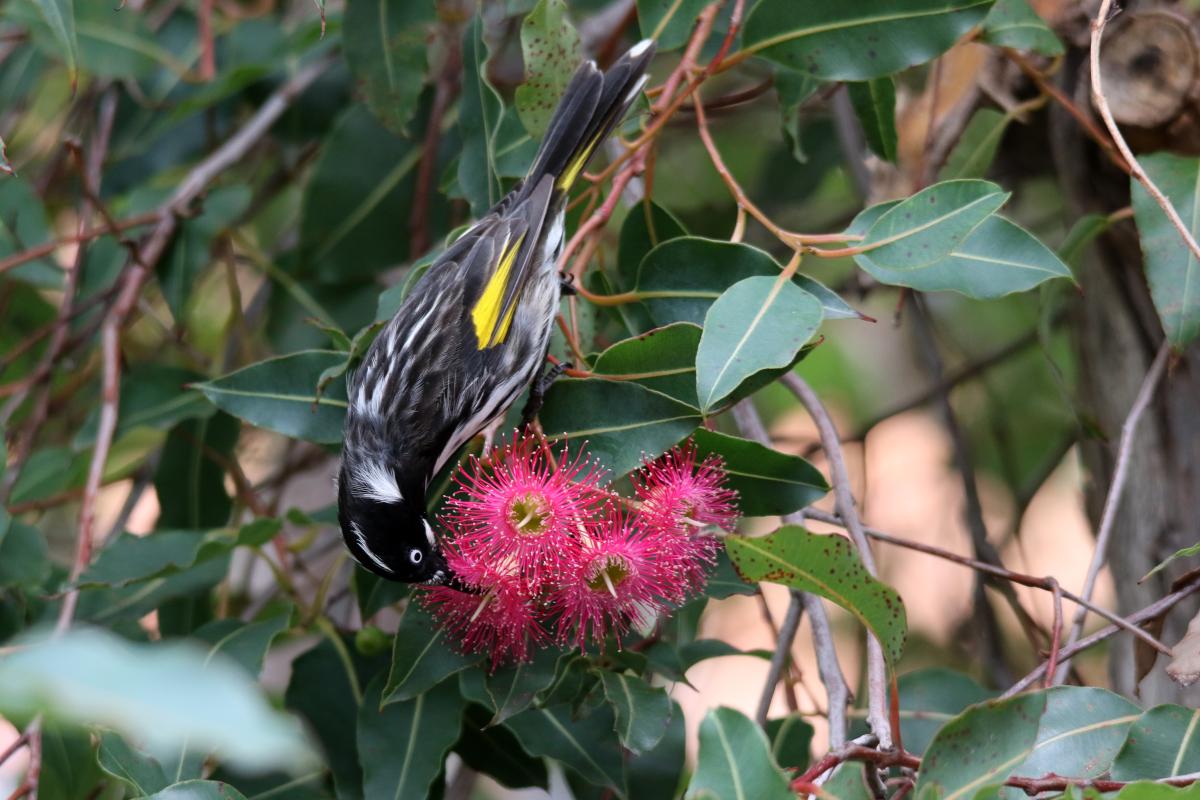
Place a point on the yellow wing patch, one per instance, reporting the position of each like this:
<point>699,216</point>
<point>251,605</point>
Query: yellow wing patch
<point>490,330</point>
<point>573,169</point>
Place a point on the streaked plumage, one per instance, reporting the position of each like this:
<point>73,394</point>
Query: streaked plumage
<point>469,338</point>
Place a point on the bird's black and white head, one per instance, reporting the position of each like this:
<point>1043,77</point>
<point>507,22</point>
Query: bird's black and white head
<point>385,528</point>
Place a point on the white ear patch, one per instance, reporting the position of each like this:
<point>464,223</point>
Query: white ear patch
<point>375,481</point>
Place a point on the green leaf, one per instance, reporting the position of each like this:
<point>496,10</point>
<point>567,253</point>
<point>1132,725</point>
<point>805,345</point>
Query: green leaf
<point>1163,741</point>
<point>143,774</point>
<point>130,559</point>
<point>189,255</point>
<point>402,745</point>
<point>69,767</point>
<point>1149,790</point>
<point>1012,23</point>
<point>757,324</point>
<point>279,394</point>
<point>724,581</point>
<point>875,103</point>
<point>826,565</point>
<point>245,643</point>
<point>1079,735</point>
<point>495,751</point>
<point>767,481</point>
<point>587,745</point>
<point>930,225</point>
<point>673,661</point>
<point>735,761</point>
<point>384,42</point>
<point>997,258</point>
<point>656,773</point>
<point>24,557</point>
<point>791,740</point>
<point>513,689</point>
<point>646,226</point>
<point>326,689</point>
<point>643,712</point>
<point>683,277</point>
<point>929,698</point>
<point>479,114</point>
<point>199,790</point>
<point>857,41</point>
<point>59,16</point>
<point>619,422</point>
<point>980,748</point>
<point>662,359</point>
<point>91,676</point>
<point>1171,269</point>
<point>1184,552</point>
<point>24,224</point>
<point>975,149</point>
<point>189,483</point>
<point>422,657</point>
<point>152,396</point>
<point>360,186</point>
<point>551,49</point>
<point>669,22</point>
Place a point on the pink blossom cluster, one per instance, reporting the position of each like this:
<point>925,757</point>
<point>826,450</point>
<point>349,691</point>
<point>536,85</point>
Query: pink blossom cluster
<point>551,554</point>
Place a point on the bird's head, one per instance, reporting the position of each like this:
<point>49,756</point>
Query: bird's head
<point>387,530</point>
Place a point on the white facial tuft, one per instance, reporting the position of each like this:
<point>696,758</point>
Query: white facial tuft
<point>375,481</point>
<point>640,47</point>
<point>428,533</point>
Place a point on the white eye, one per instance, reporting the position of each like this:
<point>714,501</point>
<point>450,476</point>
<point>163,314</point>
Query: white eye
<point>415,556</point>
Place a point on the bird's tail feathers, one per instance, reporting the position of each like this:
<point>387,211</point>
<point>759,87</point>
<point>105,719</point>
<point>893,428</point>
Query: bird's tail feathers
<point>592,105</point>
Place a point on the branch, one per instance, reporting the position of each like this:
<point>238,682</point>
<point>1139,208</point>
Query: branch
<point>1137,618</point>
<point>781,656</point>
<point>1048,584</point>
<point>1113,500</point>
<point>877,715</point>
<point>133,276</point>
<point>1135,169</point>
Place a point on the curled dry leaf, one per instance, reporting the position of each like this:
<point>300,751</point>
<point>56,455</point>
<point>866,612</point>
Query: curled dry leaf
<point>1184,669</point>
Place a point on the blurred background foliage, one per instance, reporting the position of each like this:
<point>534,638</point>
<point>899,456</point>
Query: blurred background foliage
<point>210,206</point>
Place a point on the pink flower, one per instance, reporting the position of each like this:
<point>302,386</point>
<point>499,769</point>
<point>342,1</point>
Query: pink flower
<point>503,619</point>
<point>619,577</point>
<point>681,499</point>
<point>519,504</point>
<point>677,493</point>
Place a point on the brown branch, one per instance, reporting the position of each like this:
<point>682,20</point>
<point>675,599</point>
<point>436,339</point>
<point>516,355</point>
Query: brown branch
<point>131,281</point>
<point>877,716</point>
<point>1112,500</point>
<point>1101,104</point>
<point>42,250</point>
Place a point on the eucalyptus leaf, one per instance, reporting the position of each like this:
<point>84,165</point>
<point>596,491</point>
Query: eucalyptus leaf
<point>1171,269</point>
<point>280,394</point>
<point>422,657</point>
<point>479,118</point>
<point>1012,23</point>
<point>662,359</point>
<point>756,325</point>
<point>874,102</point>
<point>825,564</point>
<point>767,481</point>
<point>643,712</point>
<point>857,41</point>
<point>384,42</point>
<point>551,50</point>
<point>735,761</point>
<point>619,422</point>
<point>587,745</point>
<point>92,676</point>
<point>669,22</point>
<point>1161,742</point>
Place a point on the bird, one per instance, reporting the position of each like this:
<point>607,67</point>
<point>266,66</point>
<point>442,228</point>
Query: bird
<point>469,338</point>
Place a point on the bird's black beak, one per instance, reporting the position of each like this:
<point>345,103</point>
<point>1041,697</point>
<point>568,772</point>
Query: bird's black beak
<point>445,576</point>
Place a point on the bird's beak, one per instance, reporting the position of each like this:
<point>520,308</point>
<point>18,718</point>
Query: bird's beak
<point>445,576</point>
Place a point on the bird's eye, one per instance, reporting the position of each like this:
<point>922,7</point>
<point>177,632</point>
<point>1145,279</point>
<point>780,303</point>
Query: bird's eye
<point>415,556</point>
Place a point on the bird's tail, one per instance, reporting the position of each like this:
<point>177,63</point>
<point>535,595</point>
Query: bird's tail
<point>592,105</point>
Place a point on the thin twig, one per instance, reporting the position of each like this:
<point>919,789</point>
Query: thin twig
<point>1135,169</point>
<point>134,276</point>
<point>1056,631</point>
<point>877,715</point>
<point>1112,501</point>
<point>1137,618</point>
<point>781,656</point>
<point>1032,581</point>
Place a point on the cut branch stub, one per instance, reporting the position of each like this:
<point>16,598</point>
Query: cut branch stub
<point>1148,67</point>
